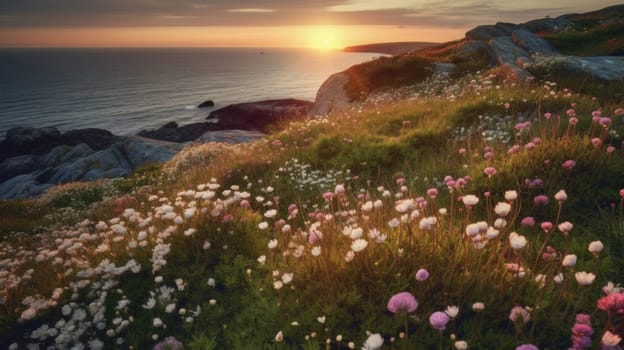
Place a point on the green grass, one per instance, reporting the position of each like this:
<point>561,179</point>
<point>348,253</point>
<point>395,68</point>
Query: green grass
<point>372,151</point>
<point>597,40</point>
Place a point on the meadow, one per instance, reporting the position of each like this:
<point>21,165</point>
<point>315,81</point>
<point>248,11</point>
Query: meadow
<point>475,213</point>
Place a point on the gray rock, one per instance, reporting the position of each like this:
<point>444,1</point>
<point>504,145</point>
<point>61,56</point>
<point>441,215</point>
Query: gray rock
<point>548,25</point>
<point>508,55</point>
<point>488,32</point>
<point>231,136</point>
<point>14,166</point>
<point>64,153</point>
<point>172,133</point>
<point>602,68</point>
<point>22,186</point>
<point>95,165</point>
<point>139,153</point>
<point>532,43</point>
<point>29,140</point>
<point>259,115</point>
<point>331,96</point>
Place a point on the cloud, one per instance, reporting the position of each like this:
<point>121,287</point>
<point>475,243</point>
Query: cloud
<point>151,13</point>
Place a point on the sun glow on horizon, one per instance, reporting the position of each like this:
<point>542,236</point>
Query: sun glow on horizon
<point>325,38</point>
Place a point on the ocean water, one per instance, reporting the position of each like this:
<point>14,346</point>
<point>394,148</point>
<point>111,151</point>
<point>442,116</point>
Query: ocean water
<point>129,90</point>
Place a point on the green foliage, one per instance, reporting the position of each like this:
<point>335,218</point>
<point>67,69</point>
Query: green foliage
<point>386,73</point>
<point>597,40</point>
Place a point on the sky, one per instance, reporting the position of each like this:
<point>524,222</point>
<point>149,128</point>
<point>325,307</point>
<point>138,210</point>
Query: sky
<point>321,24</point>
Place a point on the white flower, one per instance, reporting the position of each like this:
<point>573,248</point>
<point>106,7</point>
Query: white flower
<point>278,285</point>
<point>427,223</point>
<point>394,223</point>
<point>316,251</point>
<point>608,339</point>
<point>500,223</point>
<point>272,244</point>
<point>491,233</point>
<point>517,241</point>
<point>561,196</point>
<point>358,245</point>
<point>169,308</point>
<point>511,195</point>
<point>595,247</point>
<point>558,278</point>
<point>470,200</point>
<point>584,278</point>
<point>151,302</point>
<point>378,204</point>
<point>279,337</point>
<point>452,311</point>
<point>287,277</point>
<point>262,259</point>
<point>157,322</point>
<point>368,206</point>
<point>478,306</point>
<point>569,260</point>
<point>356,233</point>
<point>502,208</point>
<point>271,213</point>
<point>28,314</point>
<point>374,342</point>
<point>472,230</point>
<point>263,225</point>
<point>461,345</point>
<point>321,319</point>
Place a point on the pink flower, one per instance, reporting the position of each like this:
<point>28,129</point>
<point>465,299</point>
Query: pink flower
<point>596,141</point>
<point>605,122</point>
<point>573,121</point>
<point>546,226</point>
<point>528,221</point>
<point>565,227</point>
<point>244,203</point>
<point>519,314</point>
<point>422,275</point>
<point>402,302</point>
<point>527,347</point>
<point>439,320</point>
<point>622,193</point>
<point>569,164</point>
<point>612,303</point>
<point>540,199</point>
<point>547,115</point>
<point>432,192</point>
<point>328,196</point>
<point>490,171</point>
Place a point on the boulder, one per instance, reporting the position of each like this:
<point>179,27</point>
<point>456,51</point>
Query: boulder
<point>22,186</point>
<point>548,25</point>
<point>508,55</point>
<point>207,103</point>
<point>488,32</point>
<point>331,96</point>
<point>172,133</point>
<point>532,43</point>
<point>139,153</point>
<point>601,68</point>
<point>18,165</point>
<point>259,115</point>
<point>29,140</point>
<point>98,139</point>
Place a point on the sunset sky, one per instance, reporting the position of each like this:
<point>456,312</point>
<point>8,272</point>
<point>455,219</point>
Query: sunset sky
<point>259,23</point>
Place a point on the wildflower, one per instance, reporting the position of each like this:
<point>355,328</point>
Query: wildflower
<point>472,230</point>
<point>610,340</point>
<point>511,195</point>
<point>157,322</point>
<point>452,311</point>
<point>422,275</point>
<point>339,189</point>
<point>561,196</point>
<point>517,241</point>
<point>540,199</point>
<point>569,260</point>
<point>271,213</point>
<point>28,314</point>
<point>558,278</point>
<point>169,343</point>
<point>519,314</point>
<point>373,342</point>
<point>565,227</point>
<point>439,320</point>
<point>569,164</point>
<point>278,285</point>
<point>546,226</point>
<point>490,171</point>
<point>470,200</point>
<point>328,196</point>
<point>478,306</point>
<point>272,244</point>
<point>287,277</point>
<point>358,245</point>
<point>595,247</point>
<point>432,192</point>
<point>612,303</point>
<point>394,223</point>
<point>316,251</point>
<point>491,233</point>
<point>402,302</point>
<point>527,347</point>
<point>502,209</point>
<point>584,278</point>
<point>263,225</point>
<point>279,337</point>
<point>461,345</point>
<point>528,221</point>
<point>321,319</point>
<point>581,332</point>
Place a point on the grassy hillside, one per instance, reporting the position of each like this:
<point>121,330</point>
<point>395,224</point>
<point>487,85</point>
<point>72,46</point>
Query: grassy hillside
<point>487,201</point>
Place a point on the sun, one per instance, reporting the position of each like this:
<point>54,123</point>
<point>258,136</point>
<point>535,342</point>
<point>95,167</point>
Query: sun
<point>325,38</point>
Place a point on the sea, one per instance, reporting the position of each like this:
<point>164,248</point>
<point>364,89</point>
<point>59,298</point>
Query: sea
<point>129,90</point>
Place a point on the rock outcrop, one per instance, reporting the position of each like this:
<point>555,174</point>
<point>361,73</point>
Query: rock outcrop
<point>259,115</point>
<point>37,159</point>
<point>173,133</point>
<point>207,103</point>
<point>331,96</point>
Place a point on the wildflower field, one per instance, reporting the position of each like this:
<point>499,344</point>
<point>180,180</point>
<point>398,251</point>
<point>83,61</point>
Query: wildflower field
<point>473,214</point>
